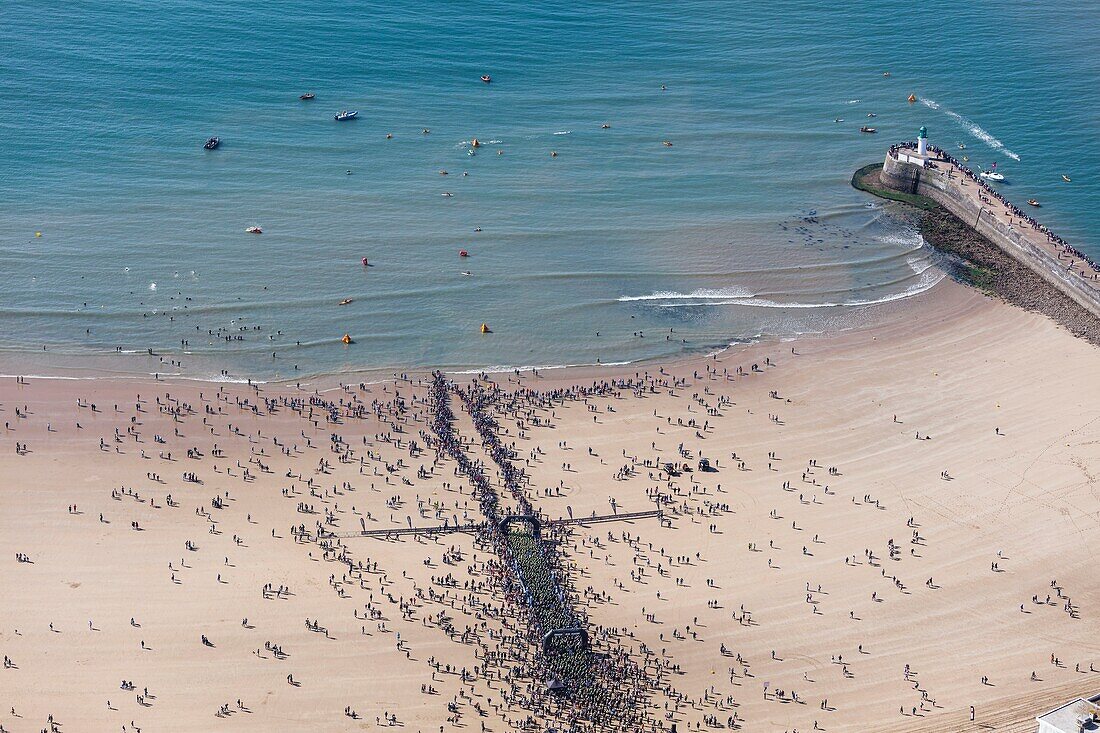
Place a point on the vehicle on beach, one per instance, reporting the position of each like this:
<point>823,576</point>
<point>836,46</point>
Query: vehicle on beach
<point>868,129</point>
<point>212,143</point>
<point>343,115</point>
<point>991,176</point>
<point>307,96</point>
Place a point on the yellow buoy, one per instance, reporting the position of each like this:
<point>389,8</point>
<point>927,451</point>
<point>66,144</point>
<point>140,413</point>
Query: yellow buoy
<point>346,339</point>
<point>485,328</point>
<point>38,234</point>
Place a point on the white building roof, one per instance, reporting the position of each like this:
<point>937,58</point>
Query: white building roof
<point>1066,719</point>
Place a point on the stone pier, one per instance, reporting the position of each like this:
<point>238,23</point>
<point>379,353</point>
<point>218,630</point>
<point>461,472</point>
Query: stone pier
<point>906,171</point>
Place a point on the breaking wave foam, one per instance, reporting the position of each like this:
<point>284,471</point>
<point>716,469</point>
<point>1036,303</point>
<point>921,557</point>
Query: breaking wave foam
<point>925,283</point>
<point>702,294</point>
<point>928,276</point>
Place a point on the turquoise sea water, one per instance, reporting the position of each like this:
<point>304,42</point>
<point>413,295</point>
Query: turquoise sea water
<point>744,227</point>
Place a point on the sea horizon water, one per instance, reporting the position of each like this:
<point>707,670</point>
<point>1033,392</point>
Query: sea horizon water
<point>590,238</point>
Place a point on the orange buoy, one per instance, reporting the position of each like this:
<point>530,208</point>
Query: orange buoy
<point>347,339</point>
<point>912,98</point>
<point>485,328</point>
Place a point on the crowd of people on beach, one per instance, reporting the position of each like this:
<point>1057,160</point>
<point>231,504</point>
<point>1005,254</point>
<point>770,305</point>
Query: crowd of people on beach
<point>607,690</point>
<point>514,602</point>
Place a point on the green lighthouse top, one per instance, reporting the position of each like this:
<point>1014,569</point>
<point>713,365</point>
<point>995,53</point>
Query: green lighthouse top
<point>922,132</point>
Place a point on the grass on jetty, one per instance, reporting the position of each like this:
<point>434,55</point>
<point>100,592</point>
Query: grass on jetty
<point>981,278</point>
<point>867,179</point>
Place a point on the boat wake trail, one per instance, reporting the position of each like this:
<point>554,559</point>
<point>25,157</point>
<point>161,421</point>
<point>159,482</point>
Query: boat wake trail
<point>973,128</point>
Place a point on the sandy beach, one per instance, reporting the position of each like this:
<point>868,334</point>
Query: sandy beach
<point>900,524</point>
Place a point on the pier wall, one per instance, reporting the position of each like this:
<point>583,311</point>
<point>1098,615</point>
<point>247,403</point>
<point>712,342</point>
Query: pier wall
<point>911,177</point>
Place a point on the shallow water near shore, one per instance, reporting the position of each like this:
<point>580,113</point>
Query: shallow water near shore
<point>744,228</point>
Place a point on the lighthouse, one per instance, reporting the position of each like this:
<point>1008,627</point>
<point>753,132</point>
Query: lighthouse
<point>922,142</point>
